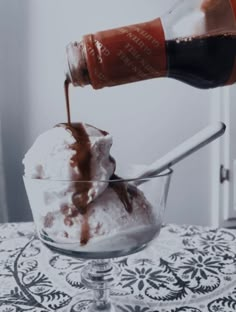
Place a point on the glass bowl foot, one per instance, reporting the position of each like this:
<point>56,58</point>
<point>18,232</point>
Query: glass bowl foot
<point>99,276</point>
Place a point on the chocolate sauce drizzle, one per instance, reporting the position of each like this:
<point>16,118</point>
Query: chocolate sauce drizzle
<point>122,190</point>
<point>82,160</point>
<point>66,91</point>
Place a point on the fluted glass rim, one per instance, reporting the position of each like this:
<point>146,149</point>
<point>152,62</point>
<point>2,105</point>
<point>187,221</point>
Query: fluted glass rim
<point>166,173</point>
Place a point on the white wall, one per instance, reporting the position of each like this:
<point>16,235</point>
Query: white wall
<point>14,101</point>
<point>146,119</point>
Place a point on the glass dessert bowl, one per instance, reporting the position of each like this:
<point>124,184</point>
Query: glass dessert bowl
<point>121,217</point>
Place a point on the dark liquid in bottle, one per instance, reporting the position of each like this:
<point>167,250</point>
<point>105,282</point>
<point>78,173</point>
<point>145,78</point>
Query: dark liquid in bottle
<point>203,62</point>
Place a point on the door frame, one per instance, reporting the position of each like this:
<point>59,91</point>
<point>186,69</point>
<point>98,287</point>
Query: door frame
<point>222,211</point>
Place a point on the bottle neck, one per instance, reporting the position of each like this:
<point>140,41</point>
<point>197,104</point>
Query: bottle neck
<point>76,67</point>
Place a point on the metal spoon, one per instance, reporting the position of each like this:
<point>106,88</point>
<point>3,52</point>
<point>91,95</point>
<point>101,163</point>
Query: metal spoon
<point>191,145</point>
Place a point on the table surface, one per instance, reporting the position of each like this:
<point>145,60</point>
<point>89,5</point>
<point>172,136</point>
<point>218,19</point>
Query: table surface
<point>186,269</point>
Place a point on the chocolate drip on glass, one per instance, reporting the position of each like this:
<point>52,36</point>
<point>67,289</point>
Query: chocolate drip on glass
<point>85,230</point>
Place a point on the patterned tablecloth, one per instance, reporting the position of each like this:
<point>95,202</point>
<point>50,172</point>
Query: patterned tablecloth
<point>187,269</point>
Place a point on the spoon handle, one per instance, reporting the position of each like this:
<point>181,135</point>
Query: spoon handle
<point>183,150</point>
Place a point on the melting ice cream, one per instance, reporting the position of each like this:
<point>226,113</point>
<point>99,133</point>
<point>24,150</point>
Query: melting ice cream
<point>75,195</point>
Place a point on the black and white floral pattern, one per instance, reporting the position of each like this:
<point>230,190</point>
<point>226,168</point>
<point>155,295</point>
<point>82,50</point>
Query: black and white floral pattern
<point>186,269</point>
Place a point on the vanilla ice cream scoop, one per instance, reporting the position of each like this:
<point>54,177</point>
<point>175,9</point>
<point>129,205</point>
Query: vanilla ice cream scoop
<point>77,152</point>
<point>109,224</point>
<point>106,223</point>
<point>76,197</point>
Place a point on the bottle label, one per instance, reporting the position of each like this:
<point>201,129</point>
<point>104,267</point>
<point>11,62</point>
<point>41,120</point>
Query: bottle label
<point>233,5</point>
<point>126,54</point>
